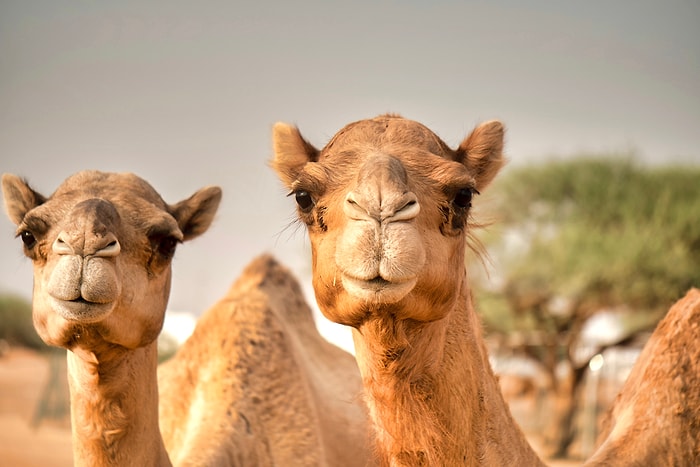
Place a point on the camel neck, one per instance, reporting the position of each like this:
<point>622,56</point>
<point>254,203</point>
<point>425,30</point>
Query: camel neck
<point>114,407</point>
<point>432,395</point>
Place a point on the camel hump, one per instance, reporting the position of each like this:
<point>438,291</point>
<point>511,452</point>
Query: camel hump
<point>692,298</point>
<point>280,286</point>
<point>262,268</point>
<point>656,415</point>
<point>682,316</point>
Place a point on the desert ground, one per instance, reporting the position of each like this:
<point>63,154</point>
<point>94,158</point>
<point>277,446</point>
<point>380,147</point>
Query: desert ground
<point>24,375</point>
<point>29,441</point>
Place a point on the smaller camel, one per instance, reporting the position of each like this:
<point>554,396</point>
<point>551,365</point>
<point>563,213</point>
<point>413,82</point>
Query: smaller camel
<point>387,207</point>
<point>102,246</point>
<point>255,385</point>
<point>655,419</point>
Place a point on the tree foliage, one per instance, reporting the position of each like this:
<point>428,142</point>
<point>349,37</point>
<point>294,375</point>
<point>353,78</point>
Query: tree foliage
<point>583,235</point>
<point>602,232</point>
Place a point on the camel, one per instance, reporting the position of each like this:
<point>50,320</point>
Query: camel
<point>101,247</point>
<point>386,204</point>
<point>280,396</point>
<point>655,419</point>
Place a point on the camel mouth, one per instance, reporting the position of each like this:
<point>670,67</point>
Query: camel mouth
<point>81,310</point>
<point>379,282</point>
<point>378,289</point>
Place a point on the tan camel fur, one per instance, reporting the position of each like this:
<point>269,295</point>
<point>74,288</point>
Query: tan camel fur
<point>255,385</point>
<point>387,205</point>
<point>101,246</point>
<point>282,396</point>
<point>655,419</point>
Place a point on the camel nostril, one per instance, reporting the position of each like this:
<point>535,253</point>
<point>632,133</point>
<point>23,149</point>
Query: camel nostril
<point>61,247</point>
<point>356,211</point>
<point>409,209</point>
<point>113,248</point>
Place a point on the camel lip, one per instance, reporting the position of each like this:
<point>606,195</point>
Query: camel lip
<point>379,281</point>
<point>378,289</point>
<point>81,310</point>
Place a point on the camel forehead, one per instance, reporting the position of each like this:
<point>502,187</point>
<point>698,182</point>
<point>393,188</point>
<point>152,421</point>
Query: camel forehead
<point>423,156</point>
<point>114,187</point>
<point>133,198</point>
<point>386,133</point>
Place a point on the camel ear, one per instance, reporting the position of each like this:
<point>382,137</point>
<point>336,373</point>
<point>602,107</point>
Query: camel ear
<point>292,152</point>
<point>482,152</point>
<point>19,197</point>
<point>195,214</point>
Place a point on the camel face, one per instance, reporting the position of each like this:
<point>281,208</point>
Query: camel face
<point>389,202</point>
<point>379,252</point>
<point>102,245</point>
<point>82,283</point>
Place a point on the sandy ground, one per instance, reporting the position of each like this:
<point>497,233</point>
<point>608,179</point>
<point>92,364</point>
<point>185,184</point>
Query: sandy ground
<point>23,378</point>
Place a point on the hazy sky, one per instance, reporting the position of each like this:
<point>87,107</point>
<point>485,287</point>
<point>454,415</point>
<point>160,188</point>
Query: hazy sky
<point>185,93</point>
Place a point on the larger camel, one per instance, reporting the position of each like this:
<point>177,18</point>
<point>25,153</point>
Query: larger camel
<point>387,207</point>
<point>253,386</point>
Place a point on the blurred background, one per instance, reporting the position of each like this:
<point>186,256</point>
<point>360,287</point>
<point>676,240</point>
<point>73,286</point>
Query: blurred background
<point>593,228</point>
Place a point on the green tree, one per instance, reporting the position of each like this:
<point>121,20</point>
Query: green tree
<point>16,326</point>
<point>580,236</point>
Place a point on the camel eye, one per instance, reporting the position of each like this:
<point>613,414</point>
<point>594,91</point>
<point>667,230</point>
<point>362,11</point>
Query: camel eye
<point>164,245</point>
<point>28,239</point>
<point>167,247</point>
<point>463,198</point>
<point>304,200</point>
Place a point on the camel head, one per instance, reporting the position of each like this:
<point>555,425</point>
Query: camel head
<point>101,247</point>
<point>387,204</point>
